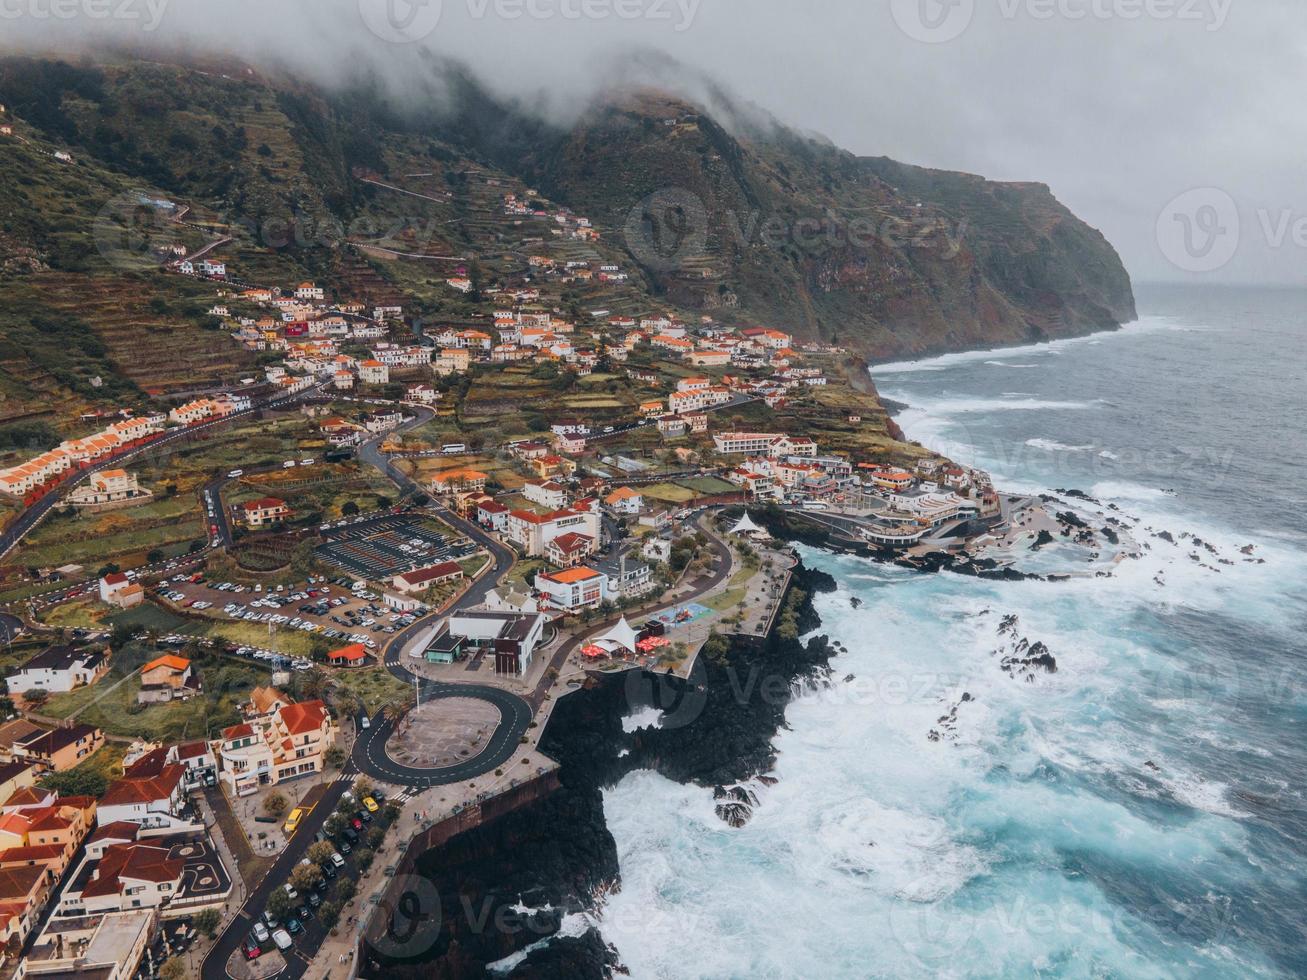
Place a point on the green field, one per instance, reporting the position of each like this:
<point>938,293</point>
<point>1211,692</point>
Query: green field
<point>111,704</point>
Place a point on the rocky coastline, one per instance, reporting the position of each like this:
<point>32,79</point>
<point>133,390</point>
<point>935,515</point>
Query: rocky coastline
<point>506,888</point>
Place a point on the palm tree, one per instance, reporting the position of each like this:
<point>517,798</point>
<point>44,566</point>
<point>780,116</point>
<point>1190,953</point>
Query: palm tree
<point>395,708</point>
<point>314,683</point>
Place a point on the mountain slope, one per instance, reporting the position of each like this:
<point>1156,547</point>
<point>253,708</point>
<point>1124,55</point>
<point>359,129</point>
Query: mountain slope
<point>890,259</point>
<point>732,215</point>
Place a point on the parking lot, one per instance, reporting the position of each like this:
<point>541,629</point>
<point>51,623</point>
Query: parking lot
<point>384,547</point>
<point>326,608</point>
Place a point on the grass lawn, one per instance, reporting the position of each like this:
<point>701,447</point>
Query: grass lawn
<point>524,572</point>
<point>116,536</point>
<point>708,485</point>
<point>152,617</point>
<point>108,762</point>
<point>293,643</point>
<point>87,613</point>
<point>736,589</point>
<point>669,493</point>
<point>111,704</point>
<point>374,686</point>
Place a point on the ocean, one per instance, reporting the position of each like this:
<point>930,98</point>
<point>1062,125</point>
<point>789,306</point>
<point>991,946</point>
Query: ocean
<point>1138,813</point>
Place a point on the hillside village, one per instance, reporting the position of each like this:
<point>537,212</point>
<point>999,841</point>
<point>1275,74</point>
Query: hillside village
<point>514,496</point>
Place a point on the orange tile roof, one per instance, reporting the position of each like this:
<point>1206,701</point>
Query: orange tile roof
<point>167,660</point>
<point>302,718</point>
<point>572,575</point>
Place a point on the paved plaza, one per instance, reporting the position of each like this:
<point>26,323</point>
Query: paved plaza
<point>444,732</point>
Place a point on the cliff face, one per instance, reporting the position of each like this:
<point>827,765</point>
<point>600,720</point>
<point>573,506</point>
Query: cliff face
<point>759,223</point>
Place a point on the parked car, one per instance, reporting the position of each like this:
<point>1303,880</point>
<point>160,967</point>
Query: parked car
<point>282,938</point>
<point>337,860</point>
<point>252,949</point>
<point>293,926</point>
<point>260,932</point>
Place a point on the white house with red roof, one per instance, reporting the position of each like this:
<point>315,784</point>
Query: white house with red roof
<point>286,744</point>
<point>151,801</point>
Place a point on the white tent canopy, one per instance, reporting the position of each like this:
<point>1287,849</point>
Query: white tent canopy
<point>623,636</point>
<point>746,526</point>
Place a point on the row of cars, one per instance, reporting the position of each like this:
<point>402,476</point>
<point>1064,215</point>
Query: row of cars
<point>270,931</point>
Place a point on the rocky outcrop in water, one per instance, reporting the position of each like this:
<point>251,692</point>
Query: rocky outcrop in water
<point>1019,657</point>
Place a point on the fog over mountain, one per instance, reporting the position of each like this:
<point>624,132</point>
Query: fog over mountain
<point>1119,105</point>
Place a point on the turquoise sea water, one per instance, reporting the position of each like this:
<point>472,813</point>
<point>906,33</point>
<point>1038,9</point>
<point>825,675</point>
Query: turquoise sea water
<point>1140,813</point>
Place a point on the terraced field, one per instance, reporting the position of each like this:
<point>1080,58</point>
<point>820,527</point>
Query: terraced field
<point>157,351</point>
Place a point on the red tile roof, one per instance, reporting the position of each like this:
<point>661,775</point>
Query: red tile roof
<point>147,790</point>
<point>135,862</point>
<point>300,719</point>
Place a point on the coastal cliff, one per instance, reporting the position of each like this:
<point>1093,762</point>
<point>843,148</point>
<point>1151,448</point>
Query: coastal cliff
<point>506,887</point>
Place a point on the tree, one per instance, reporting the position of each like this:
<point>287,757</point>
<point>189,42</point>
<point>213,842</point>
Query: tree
<point>350,509</point>
<point>392,812</point>
<point>154,557</point>
<point>334,757</point>
<point>280,904</point>
<point>363,858</point>
<point>335,824</point>
<point>375,837</point>
<point>344,890</point>
<point>275,805</point>
<point>306,877</point>
<point>363,786</point>
<point>173,968</point>
<point>321,852</point>
<point>396,708</point>
<point>313,683</point>
<point>206,921</point>
<point>329,914</point>
<point>36,696</point>
<point>77,782</point>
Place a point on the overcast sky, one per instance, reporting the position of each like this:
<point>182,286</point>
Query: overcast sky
<point>1122,106</point>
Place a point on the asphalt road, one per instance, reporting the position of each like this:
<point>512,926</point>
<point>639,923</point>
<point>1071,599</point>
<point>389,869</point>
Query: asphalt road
<point>10,627</point>
<point>515,713</point>
<point>214,966</point>
<point>34,514</point>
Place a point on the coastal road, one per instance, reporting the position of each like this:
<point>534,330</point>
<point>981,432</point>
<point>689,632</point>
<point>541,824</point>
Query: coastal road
<point>33,515</point>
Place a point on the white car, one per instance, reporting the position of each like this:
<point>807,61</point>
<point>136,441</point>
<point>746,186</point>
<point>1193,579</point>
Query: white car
<point>288,465</point>
<point>282,938</point>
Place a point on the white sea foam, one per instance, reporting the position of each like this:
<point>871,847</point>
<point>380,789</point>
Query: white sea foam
<point>1053,446</point>
<point>644,718</point>
<point>897,856</point>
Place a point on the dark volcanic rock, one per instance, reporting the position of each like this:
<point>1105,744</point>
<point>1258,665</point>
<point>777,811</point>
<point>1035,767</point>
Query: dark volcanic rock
<point>584,957</point>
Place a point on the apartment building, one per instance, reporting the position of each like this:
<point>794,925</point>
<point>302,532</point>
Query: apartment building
<point>288,743</point>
